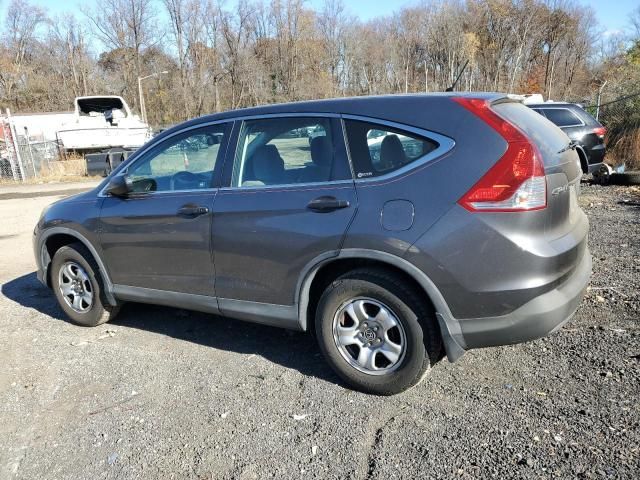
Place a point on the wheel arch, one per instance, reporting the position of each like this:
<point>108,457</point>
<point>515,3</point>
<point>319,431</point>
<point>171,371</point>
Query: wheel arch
<point>328,268</point>
<point>55,238</point>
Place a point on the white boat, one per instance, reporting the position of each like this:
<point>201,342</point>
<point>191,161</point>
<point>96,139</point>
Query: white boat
<point>96,123</point>
<point>102,122</point>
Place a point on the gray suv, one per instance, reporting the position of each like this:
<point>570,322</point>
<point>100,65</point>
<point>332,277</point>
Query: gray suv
<point>405,228</point>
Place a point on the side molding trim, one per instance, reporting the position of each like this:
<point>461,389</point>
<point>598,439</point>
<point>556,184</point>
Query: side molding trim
<point>283,316</point>
<point>188,301</point>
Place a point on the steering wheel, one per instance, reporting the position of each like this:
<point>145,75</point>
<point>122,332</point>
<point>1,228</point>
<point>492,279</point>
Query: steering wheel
<point>185,180</point>
<point>144,185</point>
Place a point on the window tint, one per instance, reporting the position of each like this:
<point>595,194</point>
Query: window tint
<point>183,162</point>
<point>562,117</point>
<point>283,151</point>
<point>377,149</point>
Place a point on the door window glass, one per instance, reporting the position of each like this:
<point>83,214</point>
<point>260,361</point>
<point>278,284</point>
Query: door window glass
<point>378,149</point>
<point>186,161</point>
<point>287,150</point>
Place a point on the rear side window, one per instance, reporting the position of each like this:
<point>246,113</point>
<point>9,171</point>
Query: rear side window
<point>562,117</point>
<point>378,149</point>
<point>287,151</point>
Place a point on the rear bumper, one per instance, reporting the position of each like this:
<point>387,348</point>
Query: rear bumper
<point>535,319</point>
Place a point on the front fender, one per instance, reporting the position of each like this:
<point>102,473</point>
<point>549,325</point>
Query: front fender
<point>44,259</point>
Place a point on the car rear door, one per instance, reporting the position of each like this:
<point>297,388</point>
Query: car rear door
<point>159,237</point>
<point>288,200</point>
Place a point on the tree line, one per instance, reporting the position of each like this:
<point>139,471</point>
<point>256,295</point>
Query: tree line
<point>249,52</point>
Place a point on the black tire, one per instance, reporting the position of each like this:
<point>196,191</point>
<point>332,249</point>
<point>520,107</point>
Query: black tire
<point>100,311</point>
<point>423,347</point>
<point>626,178</point>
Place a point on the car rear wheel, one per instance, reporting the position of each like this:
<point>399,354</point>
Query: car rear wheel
<point>78,287</point>
<point>376,332</point>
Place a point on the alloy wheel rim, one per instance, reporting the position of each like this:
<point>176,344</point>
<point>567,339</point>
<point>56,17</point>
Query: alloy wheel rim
<point>75,287</point>
<point>369,336</point>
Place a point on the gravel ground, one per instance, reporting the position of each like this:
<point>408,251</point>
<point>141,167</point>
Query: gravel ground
<point>165,393</point>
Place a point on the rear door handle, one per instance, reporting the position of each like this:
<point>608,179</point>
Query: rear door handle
<point>192,211</point>
<point>326,204</point>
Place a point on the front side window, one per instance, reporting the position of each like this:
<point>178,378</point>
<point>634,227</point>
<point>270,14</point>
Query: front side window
<point>287,150</point>
<point>562,117</point>
<point>379,149</point>
<point>186,161</point>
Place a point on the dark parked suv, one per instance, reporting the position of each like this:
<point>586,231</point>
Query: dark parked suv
<point>407,226</point>
<point>586,132</point>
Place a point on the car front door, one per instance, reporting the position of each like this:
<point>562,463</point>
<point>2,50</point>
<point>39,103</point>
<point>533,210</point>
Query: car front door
<point>158,237</point>
<point>289,197</point>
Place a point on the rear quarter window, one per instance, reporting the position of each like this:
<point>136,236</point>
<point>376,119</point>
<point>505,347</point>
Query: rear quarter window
<point>563,117</point>
<point>585,116</point>
<point>379,149</point>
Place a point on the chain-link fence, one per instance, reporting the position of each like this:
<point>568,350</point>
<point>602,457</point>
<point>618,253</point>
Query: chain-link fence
<point>38,157</point>
<point>23,158</point>
<point>621,117</point>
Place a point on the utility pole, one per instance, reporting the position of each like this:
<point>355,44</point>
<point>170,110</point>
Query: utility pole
<point>426,78</point>
<point>598,102</point>
<point>143,108</point>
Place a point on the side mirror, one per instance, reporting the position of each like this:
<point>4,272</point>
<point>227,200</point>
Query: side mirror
<point>118,186</point>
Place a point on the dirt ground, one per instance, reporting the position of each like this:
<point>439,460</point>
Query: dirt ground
<point>165,393</point>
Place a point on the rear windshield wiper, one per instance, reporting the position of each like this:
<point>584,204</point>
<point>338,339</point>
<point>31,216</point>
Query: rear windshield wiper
<point>572,146</point>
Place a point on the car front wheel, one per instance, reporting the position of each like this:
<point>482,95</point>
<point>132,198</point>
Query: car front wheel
<point>78,287</point>
<point>376,332</point>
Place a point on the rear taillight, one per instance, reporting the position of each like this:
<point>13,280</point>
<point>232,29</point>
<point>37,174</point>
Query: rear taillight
<point>600,131</point>
<point>517,181</point>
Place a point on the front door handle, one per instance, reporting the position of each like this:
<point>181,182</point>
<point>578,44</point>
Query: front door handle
<point>192,210</point>
<point>326,204</point>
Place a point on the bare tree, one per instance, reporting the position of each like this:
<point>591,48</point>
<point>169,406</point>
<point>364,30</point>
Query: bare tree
<point>235,29</point>
<point>21,28</point>
<point>67,43</point>
<point>635,22</point>
<point>259,51</point>
<point>333,23</point>
<point>125,26</point>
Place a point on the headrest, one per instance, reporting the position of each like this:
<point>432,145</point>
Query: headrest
<point>268,165</point>
<point>391,152</point>
<point>321,151</point>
